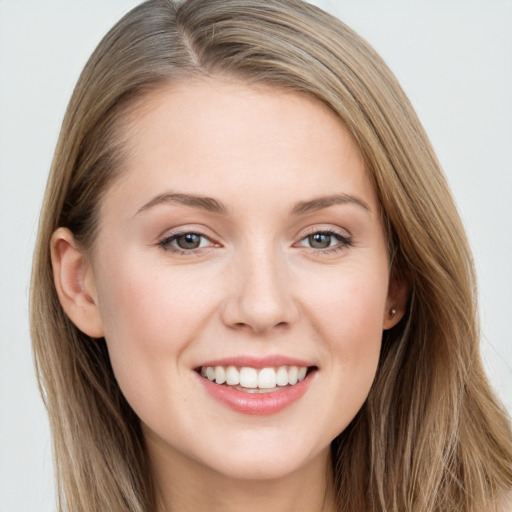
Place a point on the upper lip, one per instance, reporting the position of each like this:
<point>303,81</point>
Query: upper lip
<point>257,361</point>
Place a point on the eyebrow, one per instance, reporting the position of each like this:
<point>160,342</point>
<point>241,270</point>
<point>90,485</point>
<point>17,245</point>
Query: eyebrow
<point>203,203</point>
<point>320,203</point>
<point>213,205</point>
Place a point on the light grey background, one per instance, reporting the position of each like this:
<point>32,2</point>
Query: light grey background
<point>454,60</point>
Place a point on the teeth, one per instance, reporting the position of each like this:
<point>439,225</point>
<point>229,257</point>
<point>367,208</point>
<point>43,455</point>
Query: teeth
<point>210,373</point>
<point>251,378</point>
<point>293,375</point>
<point>232,376</point>
<point>220,375</point>
<point>267,378</point>
<point>248,378</point>
<point>282,376</point>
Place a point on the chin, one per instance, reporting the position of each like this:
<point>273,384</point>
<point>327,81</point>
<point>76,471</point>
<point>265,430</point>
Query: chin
<point>271,467</point>
<point>260,457</point>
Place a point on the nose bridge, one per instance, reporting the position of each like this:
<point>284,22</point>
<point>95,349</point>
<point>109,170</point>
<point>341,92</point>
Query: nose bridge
<point>262,297</point>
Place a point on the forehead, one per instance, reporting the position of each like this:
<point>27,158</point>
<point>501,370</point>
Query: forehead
<point>223,138</point>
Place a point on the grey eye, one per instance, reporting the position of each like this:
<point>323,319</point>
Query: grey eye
<point>188,241</point>
<point>185,242</point>
<point>320,240</point>
<point>323,240</point>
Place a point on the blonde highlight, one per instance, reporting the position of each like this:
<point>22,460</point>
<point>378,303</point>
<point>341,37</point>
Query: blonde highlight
<point>431,436</point>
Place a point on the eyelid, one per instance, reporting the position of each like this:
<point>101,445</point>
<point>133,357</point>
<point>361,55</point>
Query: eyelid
<point>325,228</point>
<point>165,241</point>
<point>345,240</point>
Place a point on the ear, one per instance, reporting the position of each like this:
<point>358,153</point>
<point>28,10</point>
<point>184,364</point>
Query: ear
<point>396,302</point>
<point>74,282</point>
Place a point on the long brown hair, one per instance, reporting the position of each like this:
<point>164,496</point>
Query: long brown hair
<point>431,436</point>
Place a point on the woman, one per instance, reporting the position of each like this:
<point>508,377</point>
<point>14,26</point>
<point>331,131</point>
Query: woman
<point>251,286</point>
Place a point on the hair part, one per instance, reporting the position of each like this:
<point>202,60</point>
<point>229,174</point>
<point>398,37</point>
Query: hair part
<point>431,436</point>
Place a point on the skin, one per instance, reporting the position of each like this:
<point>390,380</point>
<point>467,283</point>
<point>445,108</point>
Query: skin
<point>256,286</point>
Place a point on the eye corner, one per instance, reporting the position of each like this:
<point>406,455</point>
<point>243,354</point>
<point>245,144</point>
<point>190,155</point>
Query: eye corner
<point>187,242</point>
<point>327,240</point>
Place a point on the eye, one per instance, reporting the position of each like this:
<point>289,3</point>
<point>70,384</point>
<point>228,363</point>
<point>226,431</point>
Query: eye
<point>185,242</point>
<point>325,241</point>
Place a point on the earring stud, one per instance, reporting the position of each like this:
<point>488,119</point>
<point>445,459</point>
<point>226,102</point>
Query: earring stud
<point>392,313</point>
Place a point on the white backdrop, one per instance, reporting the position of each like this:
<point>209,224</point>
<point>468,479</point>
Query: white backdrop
<point>453,58</point>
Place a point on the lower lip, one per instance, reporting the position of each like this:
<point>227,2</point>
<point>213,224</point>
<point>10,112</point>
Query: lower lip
<point>257,403</point>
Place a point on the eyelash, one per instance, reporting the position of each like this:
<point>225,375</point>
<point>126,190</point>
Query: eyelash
<point>343,242</point>
<point>166,243</point>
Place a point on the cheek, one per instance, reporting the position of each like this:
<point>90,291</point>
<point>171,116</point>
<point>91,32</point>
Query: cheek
<point>349,304</point>
<point>150,315</point>
<point>150,306</point>
<point>347,314</point>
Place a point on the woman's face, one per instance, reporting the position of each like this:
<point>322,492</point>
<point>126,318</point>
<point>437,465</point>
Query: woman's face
<point>242,241</point>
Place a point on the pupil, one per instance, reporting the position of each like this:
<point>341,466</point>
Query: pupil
<point>189,241</point>
<point>320,240</point>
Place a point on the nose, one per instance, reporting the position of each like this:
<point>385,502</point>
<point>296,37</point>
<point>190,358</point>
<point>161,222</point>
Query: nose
<point>259,297</point>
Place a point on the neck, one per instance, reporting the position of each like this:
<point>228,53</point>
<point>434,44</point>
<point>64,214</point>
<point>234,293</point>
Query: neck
<point>184,485</point>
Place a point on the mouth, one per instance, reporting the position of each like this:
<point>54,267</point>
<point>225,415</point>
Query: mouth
<point>256,380</point>
<point>257,385</point>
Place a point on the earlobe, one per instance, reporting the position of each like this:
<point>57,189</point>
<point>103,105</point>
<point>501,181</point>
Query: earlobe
<point>74,282</point>
<point>396,303</point>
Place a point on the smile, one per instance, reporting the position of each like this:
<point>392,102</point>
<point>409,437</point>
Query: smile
<point>255,380</point>
<point>253,386</point>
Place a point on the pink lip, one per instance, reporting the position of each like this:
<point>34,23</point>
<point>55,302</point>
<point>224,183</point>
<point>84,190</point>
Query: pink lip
<point>257,362</point>
<point>257,403</point>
